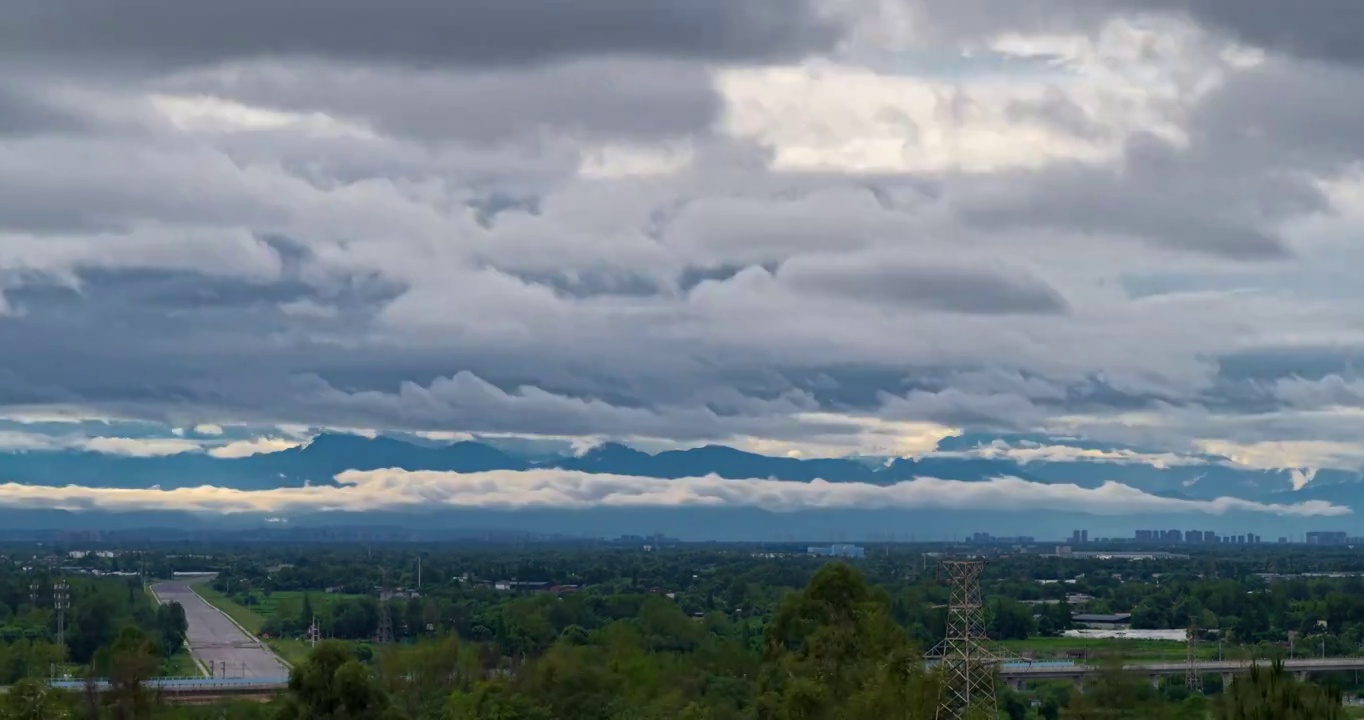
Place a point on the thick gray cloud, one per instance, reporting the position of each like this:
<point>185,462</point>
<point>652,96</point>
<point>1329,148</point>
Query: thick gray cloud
<point>603,219</point>
<point>599,98</point>
<point>905,282</point>
<point>421,32</point>
<point>25,111</point>
<point>1313,29</point>
<point>1320,29</point>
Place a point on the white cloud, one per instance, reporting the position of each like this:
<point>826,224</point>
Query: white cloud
<point>1027,452</point>
<point>1304,457</point>
<point>125,446</point>
<point>140,447</point>
<point>208,429</point>
<point>11,441</point>
<point>397,489</point>
<point>258,446</point>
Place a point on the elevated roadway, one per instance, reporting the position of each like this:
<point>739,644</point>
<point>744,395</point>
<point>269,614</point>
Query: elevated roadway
<point>1015,673</point>
<point>217,642</point>
<point>192,690</point>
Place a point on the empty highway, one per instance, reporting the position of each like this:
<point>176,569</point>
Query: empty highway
<point>217,642</point>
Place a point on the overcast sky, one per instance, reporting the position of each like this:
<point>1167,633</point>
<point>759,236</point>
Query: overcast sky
<point>799,226</point>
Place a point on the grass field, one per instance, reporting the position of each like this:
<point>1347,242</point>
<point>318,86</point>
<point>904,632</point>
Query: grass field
<point>180,665</point>
<point>253,618</point>
<point>293,651</point>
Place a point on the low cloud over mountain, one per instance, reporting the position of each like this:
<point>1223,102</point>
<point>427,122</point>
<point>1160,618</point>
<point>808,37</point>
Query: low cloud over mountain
<point>1124,230</point>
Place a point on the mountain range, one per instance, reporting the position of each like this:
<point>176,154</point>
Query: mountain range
<point>966,458</point>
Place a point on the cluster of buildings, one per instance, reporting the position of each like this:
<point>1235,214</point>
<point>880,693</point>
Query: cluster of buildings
<point>1079,538</point>
<point>840,551</point>
<point>1331,538</point>
<point>984,538</point>
<point>1198,537</point>
<point>647,542</point>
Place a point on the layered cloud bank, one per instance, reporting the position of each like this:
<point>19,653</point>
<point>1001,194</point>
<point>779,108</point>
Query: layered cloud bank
<point>570,490</point>
<point>804,227</point>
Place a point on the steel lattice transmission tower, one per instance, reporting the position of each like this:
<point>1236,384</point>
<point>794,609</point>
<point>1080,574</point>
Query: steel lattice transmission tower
<point>384,635</point>
<point>1193,679</point>
<point>968,662</point>
<point>61,602</point>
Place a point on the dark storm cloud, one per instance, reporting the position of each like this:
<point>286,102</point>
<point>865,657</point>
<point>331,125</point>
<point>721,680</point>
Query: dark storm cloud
<point>1182,198</point>
<point>1312,29</point>
<point>1318,29</point>
<point>602,98</point>
<point>898,282</point>
<point>161,35</point>
<point>24,110</point>
<point>1285,114</point>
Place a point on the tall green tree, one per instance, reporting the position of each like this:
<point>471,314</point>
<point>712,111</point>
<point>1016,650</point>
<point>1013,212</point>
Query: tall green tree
<point>333,685</point>
<point>1272,693</point>
<point>32,700</point>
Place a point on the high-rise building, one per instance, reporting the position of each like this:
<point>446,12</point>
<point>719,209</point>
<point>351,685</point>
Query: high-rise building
<point>1323,537</point>
<point>1193,536</point>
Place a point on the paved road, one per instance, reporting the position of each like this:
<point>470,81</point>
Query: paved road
<point>215,640</point>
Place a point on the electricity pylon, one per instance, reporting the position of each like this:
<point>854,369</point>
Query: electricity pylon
<point>1193,679</point>
<point>967,660</point>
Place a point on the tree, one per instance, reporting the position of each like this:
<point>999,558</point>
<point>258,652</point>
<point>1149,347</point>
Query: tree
<point>493,700</point>
<point>1273,693</point>
<point>834,652</point>
<point>132,661</point>
<point>333,684</point>
<point>305,615</point>
<point>171,626</point>
<point>32,700</point>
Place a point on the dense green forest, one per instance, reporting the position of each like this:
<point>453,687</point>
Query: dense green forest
<point>832,650</point>
<point>689,632</point>
<point>1227,598</point>
<point>98,609</point>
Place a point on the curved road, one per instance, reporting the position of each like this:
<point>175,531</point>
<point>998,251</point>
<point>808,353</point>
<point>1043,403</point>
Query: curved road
<point>216,641</point>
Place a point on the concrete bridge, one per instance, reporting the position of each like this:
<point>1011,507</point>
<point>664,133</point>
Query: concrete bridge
<point>1015,673</point>
<point>193,690</point>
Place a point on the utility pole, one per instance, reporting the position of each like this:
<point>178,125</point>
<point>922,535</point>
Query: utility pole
<point>313,632</point>
<point>61,602</point>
